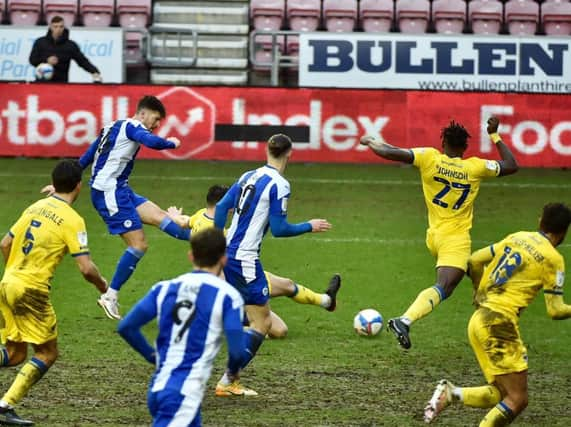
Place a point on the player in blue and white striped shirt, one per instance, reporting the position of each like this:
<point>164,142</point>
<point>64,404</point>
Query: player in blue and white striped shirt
<point>259,199</point>
<point>193,311</point>
<point>113,155</point>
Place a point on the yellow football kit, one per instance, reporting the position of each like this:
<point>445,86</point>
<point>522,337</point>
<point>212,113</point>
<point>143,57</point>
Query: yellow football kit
<point>521,265</point>
<point>45,232</point>
<point>200,221</point>
<point>450,186</point>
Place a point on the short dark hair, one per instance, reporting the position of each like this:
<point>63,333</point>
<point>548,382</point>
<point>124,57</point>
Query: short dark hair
<point>152,103</point>
<point>208,246</point>
<point>279,145</point>
<point>455,135</point>
<point>66,175</point>
<point>215,193</point>
<point>56,19</point>
<point>555,218</point>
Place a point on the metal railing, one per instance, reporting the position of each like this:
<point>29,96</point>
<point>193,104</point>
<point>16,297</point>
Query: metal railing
<point>278,59</point>
<point>161,59</point>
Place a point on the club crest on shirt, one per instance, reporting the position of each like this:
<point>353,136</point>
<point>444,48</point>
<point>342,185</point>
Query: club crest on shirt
<point>128,223</point>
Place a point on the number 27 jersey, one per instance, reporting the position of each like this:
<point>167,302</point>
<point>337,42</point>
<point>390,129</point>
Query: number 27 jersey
<point>450,186</point>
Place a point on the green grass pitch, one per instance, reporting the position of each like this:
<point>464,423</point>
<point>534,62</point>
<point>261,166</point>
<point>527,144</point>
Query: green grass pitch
<point>322,374</point>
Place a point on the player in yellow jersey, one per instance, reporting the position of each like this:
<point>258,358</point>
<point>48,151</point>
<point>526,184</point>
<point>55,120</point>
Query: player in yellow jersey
<point>450,185</point>
<point>507,276</point>
<point>32,249</point>
<point>278,286</point>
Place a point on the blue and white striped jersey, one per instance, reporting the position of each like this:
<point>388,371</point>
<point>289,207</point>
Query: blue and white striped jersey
<point>113,152</point>
<point>258,194</point>
<point>193,311</point>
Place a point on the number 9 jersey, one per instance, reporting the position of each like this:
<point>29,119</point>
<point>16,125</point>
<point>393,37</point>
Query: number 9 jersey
<point>450,186</point>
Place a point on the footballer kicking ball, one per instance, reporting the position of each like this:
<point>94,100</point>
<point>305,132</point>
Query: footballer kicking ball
<point>44,71</point>
<point>368,322</point>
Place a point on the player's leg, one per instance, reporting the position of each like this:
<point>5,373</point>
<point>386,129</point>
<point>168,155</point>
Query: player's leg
<point>282,286</point>
<point>13,353</point>
<point>279,328</point>
<point>514,390</point>
<point>152,214</point>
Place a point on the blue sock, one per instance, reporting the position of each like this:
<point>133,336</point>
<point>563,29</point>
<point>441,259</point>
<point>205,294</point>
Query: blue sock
<point>441,292</point>
<point>174,230</point>
<point>42,367</point>
<point>125,267</point>
<point>4,359</point>
<point>295,290</point>
<point>252,342</point>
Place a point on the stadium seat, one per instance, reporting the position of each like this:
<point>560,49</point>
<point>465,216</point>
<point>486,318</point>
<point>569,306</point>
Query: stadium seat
<point>133,13</point>
<point>303,15</point>
<point>412,16</point>
<point>2,8</point>
<point>376,16</point>
<point>556,18</point>
<point>67,9</point>
<point>267,14</point>
<point>340,15</point>
<point>133,48</point>
<point>24,12</point>
<point>485,16</point>
<point>96,13</point>
<point>522,17</point>
<point>449,16</point>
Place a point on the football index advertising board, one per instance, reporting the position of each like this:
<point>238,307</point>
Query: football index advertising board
<point>435,62</point>
<point>102,46</point>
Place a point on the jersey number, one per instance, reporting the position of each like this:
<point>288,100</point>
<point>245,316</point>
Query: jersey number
<point>104,145</point>
<point>447,186</point>
<point>506,266</point>
<point>29,242</point>
<point>183,313</point>
<point>245,200</point>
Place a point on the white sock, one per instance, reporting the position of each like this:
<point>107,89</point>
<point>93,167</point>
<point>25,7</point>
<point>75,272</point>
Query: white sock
<point>6,405</point>
<point>406,321</point>
<point>457,393</point>
<point>325,301</point>
<point>112,293</point>
<point>225,379</point>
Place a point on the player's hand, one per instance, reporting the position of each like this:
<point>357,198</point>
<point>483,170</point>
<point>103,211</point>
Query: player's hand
<point>367,139</point>
<point>96,78</point>
<point>48,190</point>
<point>52,60</point>
<point>173,211</point>
<point>319,225</point>
<point>174,140</point>
<point>493,123</point>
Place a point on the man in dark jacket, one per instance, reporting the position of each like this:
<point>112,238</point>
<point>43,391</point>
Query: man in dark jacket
<point>58,50</point>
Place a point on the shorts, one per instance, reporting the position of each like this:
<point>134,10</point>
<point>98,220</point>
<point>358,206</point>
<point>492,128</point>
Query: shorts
<point>249,279</point>
<point>28,314</point>
<point>118,209</point>
<point>449,250</point>
<point>497,344</point>
<point>169,407</point>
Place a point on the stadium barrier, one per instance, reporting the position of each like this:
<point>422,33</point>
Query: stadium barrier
<point>47,120</point>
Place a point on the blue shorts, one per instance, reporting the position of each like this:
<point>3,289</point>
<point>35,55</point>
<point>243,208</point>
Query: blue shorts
<point>118,209</point>
<point>167,406</point>
<point>249,279</point>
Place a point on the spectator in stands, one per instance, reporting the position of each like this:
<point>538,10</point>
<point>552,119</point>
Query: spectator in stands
<point>56,49</point>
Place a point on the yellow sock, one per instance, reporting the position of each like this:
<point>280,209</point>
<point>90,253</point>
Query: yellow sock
<point>485,396</point>
<point>500,415</point>
<point>424,303</point>
<point>306,296</point>
<point>30,373</point>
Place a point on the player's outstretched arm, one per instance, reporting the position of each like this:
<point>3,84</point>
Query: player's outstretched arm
<point>224,205</point>
<point>556,307</point>
<point>6,245</point>
<point>477,262</point>
<point>508,164</point>
<point>143,136</point>
<point>387,151</point>
<point>90,272</point>
<point>177,216</point>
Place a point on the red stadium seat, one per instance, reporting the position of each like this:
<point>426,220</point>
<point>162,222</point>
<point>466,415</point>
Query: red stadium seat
<point>303,15</point>
<point>96,13</point>
<point>340,15</point>
<point>556,18</point>
<point>449,16</point>
<point>267,14</point>
<point>67,9</point>
<point>2,8</point>
<point>24,12</point>
<point>376,16</point>
<point>412,16</point>
<point>133,13</point>
<point>485,16</point>
<point>522,17</point>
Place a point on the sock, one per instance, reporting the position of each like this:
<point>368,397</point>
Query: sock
<point>30,373</point>
<point>425,303</point>
<point>125,267</point>
<point>4,359</point>
<point>225,379</point>
<point>173,229</point>
<point>252,340</point>
<point>500,415</point>
<point>304,295</point>
<point>485,396</point>
<point>112,293</point>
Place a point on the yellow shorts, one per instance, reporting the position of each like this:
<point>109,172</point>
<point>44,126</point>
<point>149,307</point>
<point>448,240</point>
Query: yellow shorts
<point>28,314</point>
<point>449,251</point>
<point>269,282</point>
<point>497,344</point>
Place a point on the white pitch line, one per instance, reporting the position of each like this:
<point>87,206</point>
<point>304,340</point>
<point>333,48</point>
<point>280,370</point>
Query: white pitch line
<point>334,181</point>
